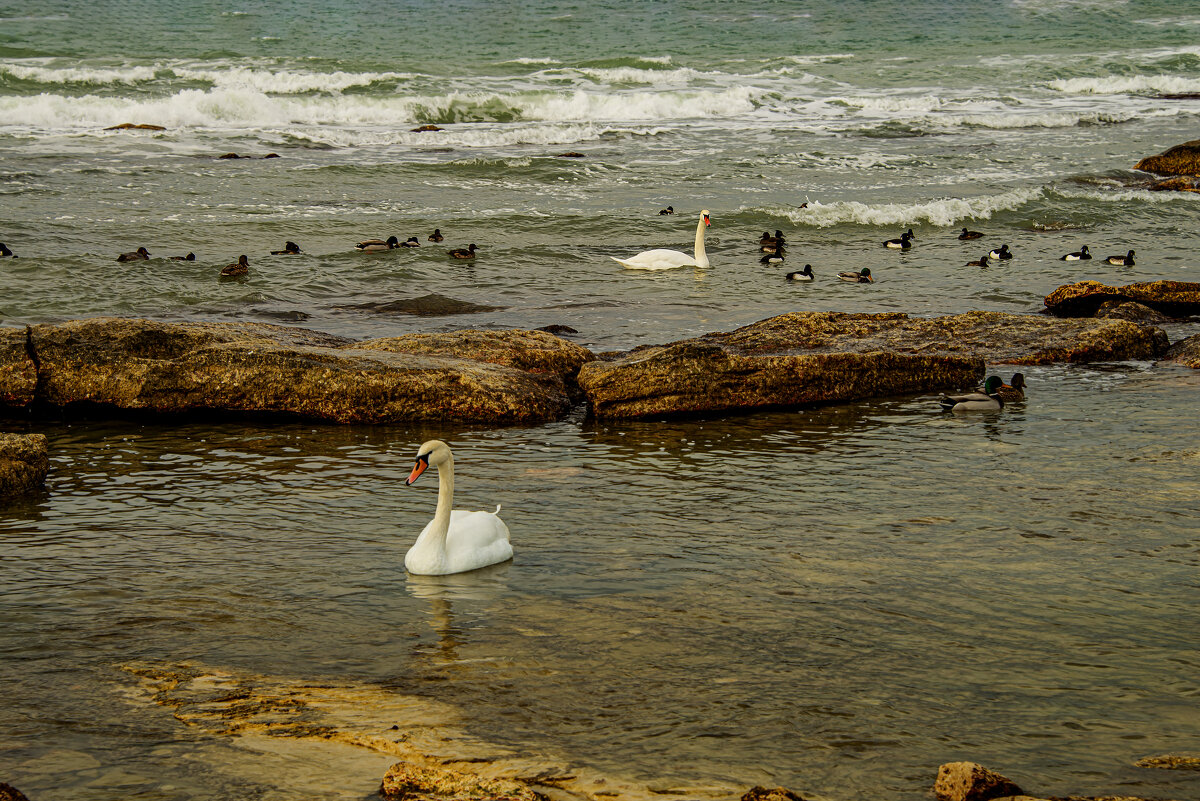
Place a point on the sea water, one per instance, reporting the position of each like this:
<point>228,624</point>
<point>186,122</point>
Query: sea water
<point>836,599</point>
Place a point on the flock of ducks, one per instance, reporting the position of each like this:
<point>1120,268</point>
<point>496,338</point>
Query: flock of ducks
<point>241,267</point>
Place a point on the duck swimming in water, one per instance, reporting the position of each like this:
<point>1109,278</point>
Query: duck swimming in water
<point>237,269</point>
<point>970,235</point>
<point>1121,261</point>
<point>903,243</point>
<point>5,253</point>
<point>1079,255</point>
<point>982,261</point>
<point>1000,253</point>
<point>667,210</point>
<point>768,241</point>
<point>1014,390</point>
<point>461,253</point>
<point>863,276</point>
<point>411,242</point>
<point>376,245</point>
<point>141,254</point>
<point>436,236</point>
<point>774,256</point>
<point>804,275</point>
<point>289,249</point>
<point>188,257</point>
<point>986,401</point>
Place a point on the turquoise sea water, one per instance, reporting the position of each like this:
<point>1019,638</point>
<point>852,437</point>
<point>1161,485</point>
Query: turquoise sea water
<point>836,600</point>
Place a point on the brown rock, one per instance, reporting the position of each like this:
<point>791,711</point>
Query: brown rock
<point>238,368</point>
<point>1170,761</point>
<point>425,128</point>
<point>409,782</point>
<point>1129,310</point>
<point>570,154</point>
<point>18,372</point>
<point>431,305</point>
<point>129,126</point>
<point>759,793</point>
<point>1179,160</point>
<point>10,793</point>
<point>1180,183</point>
<point>23,463</point>
<point>825,357</point>
<point>229,156</point>
<point>969,781</point>
<point>1082,299</point>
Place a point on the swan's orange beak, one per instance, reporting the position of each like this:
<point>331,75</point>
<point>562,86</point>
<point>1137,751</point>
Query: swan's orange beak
<point>420,467</point>
<point>707,222</point>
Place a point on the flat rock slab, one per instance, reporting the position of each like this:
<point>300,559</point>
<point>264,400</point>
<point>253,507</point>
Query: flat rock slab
<point>278,370</point>
<point>1085,298</point>
<point>23,463</point>
<point>806,358</point>
<point>432,305</point>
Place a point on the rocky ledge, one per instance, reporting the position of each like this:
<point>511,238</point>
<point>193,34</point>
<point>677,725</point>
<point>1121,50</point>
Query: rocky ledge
<point>23,463</point>
<point>1090,298</point>
<point>494,377</point>
<point>826,357</point>
<point>970,781</point>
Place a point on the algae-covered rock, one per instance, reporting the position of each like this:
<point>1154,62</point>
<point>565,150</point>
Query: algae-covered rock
<point>18,373</point>
<point>1178,183</point>
<point>411,782</point>
<point>23,463</point>
<point>278,370</point>
<point>1179,160</point>
<point>1185,352</point>
<point>970,781</point>
<point>1129,310</point>
<point>1084,298</point>
<point>824,357</point>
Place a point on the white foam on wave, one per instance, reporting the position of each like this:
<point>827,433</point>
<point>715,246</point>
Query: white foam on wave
<point>643,76</point>
<point>945,212</point>
<point>1123,85</point>
<point>85,75</point>
<point>525,60</point>
<point>582,106</point>
<point>282,82</point>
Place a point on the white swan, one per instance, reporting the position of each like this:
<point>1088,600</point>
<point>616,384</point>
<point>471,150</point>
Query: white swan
<point>454,541</point>
<point>662,259</point>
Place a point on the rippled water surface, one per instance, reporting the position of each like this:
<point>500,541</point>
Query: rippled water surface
<point>836,600</point>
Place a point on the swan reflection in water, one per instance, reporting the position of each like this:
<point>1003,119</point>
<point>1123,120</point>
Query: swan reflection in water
<point>486,584</point>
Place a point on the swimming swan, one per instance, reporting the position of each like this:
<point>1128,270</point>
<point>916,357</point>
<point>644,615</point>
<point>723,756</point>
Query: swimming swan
<point>454,541</point>
<point>662,259</point>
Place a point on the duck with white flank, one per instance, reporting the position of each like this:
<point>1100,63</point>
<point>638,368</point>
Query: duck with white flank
<point>376,245</point>
<point>664,259</point>
<point>903,243</point>
<point>1079,255</point>
<point>863,276</point>
<point>1000,253</point>
<point>289,249</point>
<point>237,269</point>
<point>1121,261</point>
<point>804,275</point>
<point>462,253</point>
<point>411,242</point>
<point>986,401</point>
<point>774,256</point>
<point>141,254</point>
<point>436,236</point>
<point>970,235</point>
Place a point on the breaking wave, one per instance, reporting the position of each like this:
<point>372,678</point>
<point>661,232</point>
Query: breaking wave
<point>944,212</point>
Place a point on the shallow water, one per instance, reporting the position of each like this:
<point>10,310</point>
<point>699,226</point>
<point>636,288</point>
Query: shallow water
<point>836,600</point>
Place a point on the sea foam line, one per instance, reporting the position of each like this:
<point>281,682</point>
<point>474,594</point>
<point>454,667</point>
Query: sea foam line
<point>944,212</point>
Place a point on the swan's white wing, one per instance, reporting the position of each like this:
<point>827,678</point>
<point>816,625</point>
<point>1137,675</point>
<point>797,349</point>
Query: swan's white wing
<point>476,539</point>
<point>660,259</point>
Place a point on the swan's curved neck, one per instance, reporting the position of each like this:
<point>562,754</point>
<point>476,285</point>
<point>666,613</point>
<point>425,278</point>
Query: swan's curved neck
<point>441,518</point>
<point>701,256</point>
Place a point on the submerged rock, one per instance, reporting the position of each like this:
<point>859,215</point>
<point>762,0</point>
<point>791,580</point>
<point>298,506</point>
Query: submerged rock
<point>1185,352</point>
<point>129,126</point>
<point>970,781</point>
<point>824,357</point>
<point>1129,310</point>
<point>1084,298</point>
<point>23,463</point>
<point>1179,183</point>
<point>257,368</point>
<point>759,793</point>
<point>1179,160</point>
<point>1169,762</point>
<point>432,305</point>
